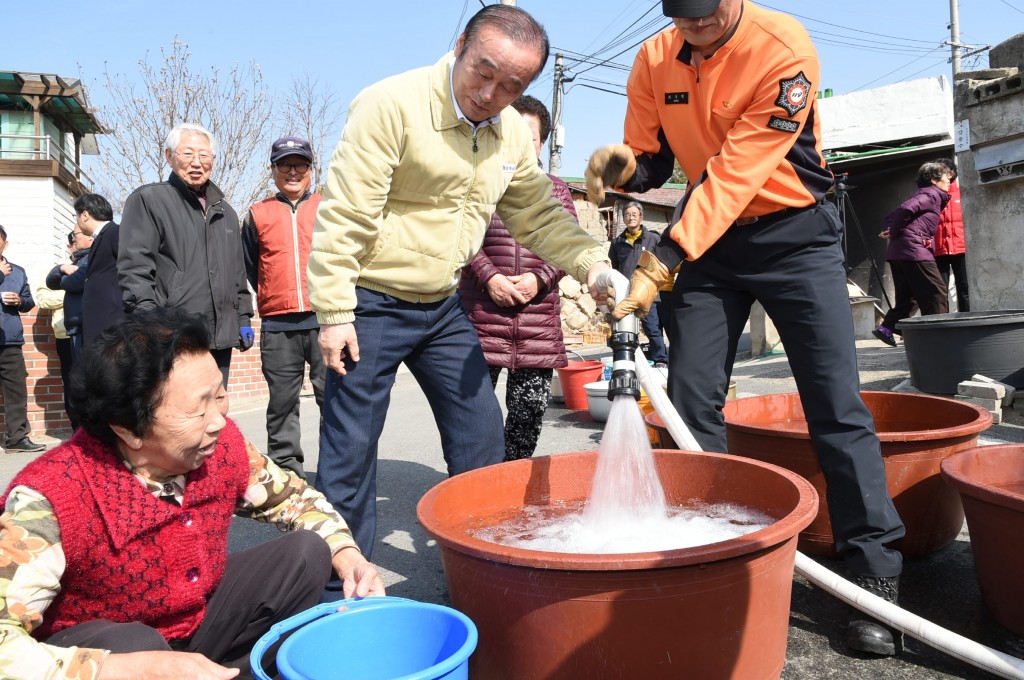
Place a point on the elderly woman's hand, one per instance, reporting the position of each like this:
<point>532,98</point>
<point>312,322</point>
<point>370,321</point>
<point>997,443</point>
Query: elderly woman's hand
<point>159,665</point>
<point>359,578</point>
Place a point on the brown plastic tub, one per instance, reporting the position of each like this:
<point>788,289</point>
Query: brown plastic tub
<point>711,612</point>
<point>990,480</point>
<point>916,431</point>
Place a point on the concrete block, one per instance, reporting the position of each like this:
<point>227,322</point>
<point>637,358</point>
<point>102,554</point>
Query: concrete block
<point>997,416</point>
<point>988,404</point>
<point>1010,389</point>
<point>983,390</point>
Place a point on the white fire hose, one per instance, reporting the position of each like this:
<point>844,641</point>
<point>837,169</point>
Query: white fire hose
<point>976,654</point>
<point>986,658</point>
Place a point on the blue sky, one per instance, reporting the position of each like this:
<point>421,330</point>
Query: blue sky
<point>352,44</point>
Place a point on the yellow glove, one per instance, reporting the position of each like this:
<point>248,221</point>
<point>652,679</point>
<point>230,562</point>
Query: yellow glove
<point>610,166</point>
<point>650,275</point>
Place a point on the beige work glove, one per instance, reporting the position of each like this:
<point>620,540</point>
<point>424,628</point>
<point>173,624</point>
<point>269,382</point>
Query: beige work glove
<point>649,277</point>
<point>610,166</point>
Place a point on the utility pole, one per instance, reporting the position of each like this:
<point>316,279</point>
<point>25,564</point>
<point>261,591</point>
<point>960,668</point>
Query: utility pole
<point>509,2</point>
<point>954,34</point>
<point>555,145</point>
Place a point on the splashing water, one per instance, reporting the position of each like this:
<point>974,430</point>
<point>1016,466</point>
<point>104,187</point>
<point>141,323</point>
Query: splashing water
<point>626,485</point>
<point>626,512</point>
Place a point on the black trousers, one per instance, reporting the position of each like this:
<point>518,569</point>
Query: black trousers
<point>66,354</point>
<point>284,355</point>
<point>223,359</point>
<point>958,265</point>
<point>794,267</point>
<point>261,586</point>
<point>916,285</point>
<point>14,384</point>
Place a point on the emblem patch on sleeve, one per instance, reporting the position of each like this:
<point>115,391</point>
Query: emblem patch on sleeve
<point>783,124</point>
<point>793,93</point>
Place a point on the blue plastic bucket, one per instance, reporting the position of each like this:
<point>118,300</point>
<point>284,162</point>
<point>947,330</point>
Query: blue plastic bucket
<point>377,638</point>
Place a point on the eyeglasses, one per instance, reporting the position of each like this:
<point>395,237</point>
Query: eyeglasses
<point>300,168</point>
<point>187,156</point>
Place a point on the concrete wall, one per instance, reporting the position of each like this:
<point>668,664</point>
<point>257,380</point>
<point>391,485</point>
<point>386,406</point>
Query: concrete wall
<point>992,104</point>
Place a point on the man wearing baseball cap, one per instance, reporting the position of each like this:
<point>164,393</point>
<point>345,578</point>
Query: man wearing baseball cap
<point>276,237</point>
<point>729,93</point>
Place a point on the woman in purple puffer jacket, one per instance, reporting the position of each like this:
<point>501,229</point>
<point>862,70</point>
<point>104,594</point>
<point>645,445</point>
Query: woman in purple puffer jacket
<point>511,296</point>
<point>910,229</point>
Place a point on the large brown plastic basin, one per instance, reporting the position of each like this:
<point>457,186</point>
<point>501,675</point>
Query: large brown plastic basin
<point>709,612</point>
<point>990,480</point>
<point>916,432</point>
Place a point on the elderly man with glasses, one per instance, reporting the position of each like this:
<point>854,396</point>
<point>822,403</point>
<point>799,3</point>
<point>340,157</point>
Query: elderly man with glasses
<point>276,238</point>
<point>181,246</point>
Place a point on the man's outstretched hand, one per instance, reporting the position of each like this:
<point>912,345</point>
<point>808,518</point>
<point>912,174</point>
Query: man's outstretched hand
<point>610,166</point>
<point>650,275</point>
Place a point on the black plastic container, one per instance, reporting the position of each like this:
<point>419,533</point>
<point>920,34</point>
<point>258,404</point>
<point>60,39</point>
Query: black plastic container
<point>946,349</point>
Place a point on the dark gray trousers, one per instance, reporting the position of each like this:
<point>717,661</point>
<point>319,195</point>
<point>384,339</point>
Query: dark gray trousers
<point>14,384</point>
<point>794,267</point>
<point>261,586</point>
<point>284,355</point>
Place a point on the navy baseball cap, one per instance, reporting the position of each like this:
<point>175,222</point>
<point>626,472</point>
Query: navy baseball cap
<point>689,9</point>
<point>290,146</point>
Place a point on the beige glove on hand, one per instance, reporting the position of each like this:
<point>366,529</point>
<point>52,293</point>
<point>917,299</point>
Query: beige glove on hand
<point>649,277</point>
<point>610,166</point>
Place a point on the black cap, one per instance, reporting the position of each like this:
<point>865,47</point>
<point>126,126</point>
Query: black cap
<point>290,146</point>
<point>689,9</point>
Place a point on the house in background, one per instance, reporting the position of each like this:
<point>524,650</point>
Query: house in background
<point>46,127</point>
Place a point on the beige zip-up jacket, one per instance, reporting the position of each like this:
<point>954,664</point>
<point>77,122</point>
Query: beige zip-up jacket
<point>410,192</point>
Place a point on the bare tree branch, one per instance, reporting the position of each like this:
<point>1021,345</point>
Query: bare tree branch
<point>234,104</point>
<point>312,112</point>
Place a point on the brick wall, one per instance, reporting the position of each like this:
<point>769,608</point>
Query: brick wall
<point>46,392</point>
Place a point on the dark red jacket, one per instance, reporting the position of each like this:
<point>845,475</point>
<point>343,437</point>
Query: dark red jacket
<point>524,336</point>
<point>276,239</point>
<point>949,239</point>
<point>131,556</point>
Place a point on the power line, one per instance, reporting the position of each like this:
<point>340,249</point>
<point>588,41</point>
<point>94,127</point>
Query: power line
<point>846,28</point>
<point>1012,7</point>
<point>937,49</point>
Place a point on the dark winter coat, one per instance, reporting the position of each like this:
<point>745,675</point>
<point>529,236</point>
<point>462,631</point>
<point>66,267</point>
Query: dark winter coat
<point>72,285</point>
<point>912,226</point>
<point>12,332</point>
<point>523,336</point>
<point>175,253</point>
<point>625,255</point>
<point>102,302</point>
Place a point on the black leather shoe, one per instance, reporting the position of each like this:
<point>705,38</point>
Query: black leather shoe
<point>865,634</point>
<point>24,444</point>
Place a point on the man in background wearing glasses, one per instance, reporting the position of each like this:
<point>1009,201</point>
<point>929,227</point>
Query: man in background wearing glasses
<point>181,246</point>
<point>276,237</point>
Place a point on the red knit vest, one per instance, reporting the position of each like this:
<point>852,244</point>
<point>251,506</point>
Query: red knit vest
<point>131,556</point>
<point>283,255</point>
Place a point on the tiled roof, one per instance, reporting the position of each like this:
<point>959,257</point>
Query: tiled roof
<point>667,196</point>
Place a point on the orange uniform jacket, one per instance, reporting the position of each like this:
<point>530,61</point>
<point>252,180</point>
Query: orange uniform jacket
<point>743,126</point>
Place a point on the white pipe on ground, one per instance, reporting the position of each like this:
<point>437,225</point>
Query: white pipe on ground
<point>976,654</point>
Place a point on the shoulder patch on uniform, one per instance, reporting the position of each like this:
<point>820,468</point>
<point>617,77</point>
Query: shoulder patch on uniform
<point>677,98</point>
<point>794,93</point>
<point>783,124</point>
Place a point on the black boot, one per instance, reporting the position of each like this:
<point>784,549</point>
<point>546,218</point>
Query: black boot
<point>864,634</point>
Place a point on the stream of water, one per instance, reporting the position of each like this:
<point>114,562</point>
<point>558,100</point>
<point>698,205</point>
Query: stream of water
<point>626,512</point>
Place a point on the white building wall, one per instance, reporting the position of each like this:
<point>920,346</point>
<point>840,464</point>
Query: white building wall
<point>37,213</point>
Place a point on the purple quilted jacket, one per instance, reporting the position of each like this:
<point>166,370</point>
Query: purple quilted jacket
<point>912,226</point>
<point>523,336</point>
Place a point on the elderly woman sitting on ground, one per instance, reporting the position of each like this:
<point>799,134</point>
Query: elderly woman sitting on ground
<point>114,546</point>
